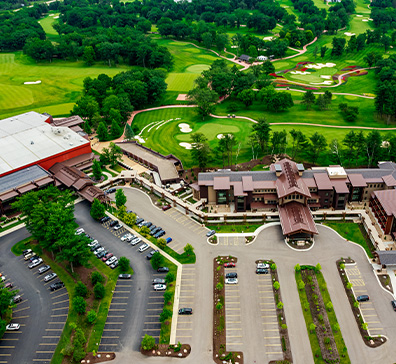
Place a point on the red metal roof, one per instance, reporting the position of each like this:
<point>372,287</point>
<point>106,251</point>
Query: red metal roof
<point>295,218</point>
<point>289,181</point>
<point>387,199</point>
<point>389,181</point>
<point>221,183</point>
<point>259,185</point>
<point>340,185</point>
<point>238,190</point>
<point>323,181</point>
<point>357,180</point>
<point>310,182</point>
<point>247,182</point>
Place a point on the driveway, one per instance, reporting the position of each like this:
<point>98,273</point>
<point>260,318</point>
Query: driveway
<point>328,248</point>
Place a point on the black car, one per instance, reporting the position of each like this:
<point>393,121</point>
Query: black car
<point>96,246</point>
<point>150,255</point>
<point>139,220</point>
<point>232,275</point>
<point>104,219</point>
<point>148,224</point>
<point>261,271</point>
<point>185,311</point>
<point>110,190</point>
<point>362,298</point>
<point>56,285</point>
<point>114,223</point>
<point>17,299</point>
<point>156,230</point>
<point>393,305</point>
<point>163,270</point>
<point>152,228</point>
<point>159,234</point>
<point>125,276</point>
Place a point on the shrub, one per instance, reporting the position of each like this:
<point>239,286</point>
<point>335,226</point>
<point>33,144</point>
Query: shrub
<point>96,277</point>
<point>312,328</point>
<point>79,353</point>
<point>156,260</point>
<point>349,285</point>
<point>218,268</point>
<point>329,306</point>
<point>219,306</point>
<point>273,266</point>
<point>297,268</point>
<point>342,266</point>
<point>356,304</point>
<point>79,305</point>
<point>91,317</point>
<point>170,277</point>
<point>364,326</point>
<point>326,340</point>
<point>167,297</point>
<point>178,347</point>
<point>284,326</point>
<point>279,305</point>
<point>165,314</point>
<point>320,318</point>
<point>189,249</point>
<point>161,243</point>
<point>301,285</point>
<point>148,342</point>
<point>81,289</point>
<point>123,262</point>
<point>318,267</point>
<point>99,291</point>
<point>336,327</point>
<point>219,286</point>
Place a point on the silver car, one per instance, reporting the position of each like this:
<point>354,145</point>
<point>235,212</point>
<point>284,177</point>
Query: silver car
<point>99,250</point>
<point>159,287</point>
<point>143,247</point>
<point>111,260</point>
<point>50,277</point>
<point>35,263</point>
<point>135,241</point>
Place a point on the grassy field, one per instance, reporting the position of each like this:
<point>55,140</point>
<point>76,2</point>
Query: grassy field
<point>165,137</point>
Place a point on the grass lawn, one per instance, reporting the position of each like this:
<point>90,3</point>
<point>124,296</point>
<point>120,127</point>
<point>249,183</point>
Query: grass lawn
<point>352,232</point>
<point>234,228</point>
<point>166,137</point>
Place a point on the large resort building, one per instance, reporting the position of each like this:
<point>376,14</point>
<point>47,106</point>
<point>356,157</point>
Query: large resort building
<point>293,191</point>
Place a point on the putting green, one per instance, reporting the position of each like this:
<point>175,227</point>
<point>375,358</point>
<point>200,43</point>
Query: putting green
<point>197,68</point>
<point>19,96</point>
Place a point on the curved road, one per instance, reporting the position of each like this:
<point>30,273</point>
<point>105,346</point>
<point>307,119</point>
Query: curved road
<point>269,244</point>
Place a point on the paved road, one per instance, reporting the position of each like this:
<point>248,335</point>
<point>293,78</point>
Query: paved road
<point>328,248</point>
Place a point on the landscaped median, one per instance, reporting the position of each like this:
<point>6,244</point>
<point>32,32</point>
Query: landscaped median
<point>370,341</point>
<point>324,332</point>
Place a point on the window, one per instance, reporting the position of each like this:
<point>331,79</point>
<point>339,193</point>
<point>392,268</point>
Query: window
<point>326,200</point>
<point>326,194</point>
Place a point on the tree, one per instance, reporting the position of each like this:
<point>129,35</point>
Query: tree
<point>157,260</point>
<point>89,56</point>
<point>102,132</point>
<point>96,277</point>
<point>115,130</point>
<point>317,144</point>
<point>299,141</point>
<point>323,51</point>
<point>373,146</point>
<point>86,107</point>
<point>79,305</point>
<point>276,285</point>
<point>99,291</point>
<point>123,263</point>
<point>170,277</point>
<point>120,198</point>
<point>261,132</point>
<point>74,250</point>
<point>338,46</point>
<point>200,149</point>
<point>247,97</point>
<point>111,155</point>
<point>80,289</point>
<point>268,67</point>
<point>204,98</point>
<point>96,170</point>
<point>161,243</point>
<point>91,317</point>
<point>189,249</point>
<point>148,342</point>
<point>308,99</point>
<point>129,134</point>
<point>315,52</point>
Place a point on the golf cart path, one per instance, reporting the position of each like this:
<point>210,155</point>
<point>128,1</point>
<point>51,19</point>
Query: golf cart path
<point>253,120</point>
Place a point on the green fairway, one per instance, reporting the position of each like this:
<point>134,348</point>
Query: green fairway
<point>46,23</point>
<point>181,81</point>
<point>61,84</point>
<point>161,132</point>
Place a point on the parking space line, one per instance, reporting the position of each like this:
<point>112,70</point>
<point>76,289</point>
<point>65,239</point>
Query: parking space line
<point>111,330</point>
<point>63,294</point>
<point>60,315</point>
<point>7,347</point>
<point>270,329</point>
<point>119,298</point>
<point>51,337</point>
<point>110,337</point>
<point>53,329</point>
<point>54,323</point>
<point>45,352</point>
<point>60,308</point>
<point>48,344</point>
<point>22,309</point>
<point>115,316</point>
<point>55,303</point>
<point>2,339</point>
<point>117,309</point>
<point>233,336</point>
<point>118,303</point>
<point>20,317</point>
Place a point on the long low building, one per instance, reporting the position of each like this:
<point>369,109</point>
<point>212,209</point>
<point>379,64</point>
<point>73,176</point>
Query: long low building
<point>294,191</point>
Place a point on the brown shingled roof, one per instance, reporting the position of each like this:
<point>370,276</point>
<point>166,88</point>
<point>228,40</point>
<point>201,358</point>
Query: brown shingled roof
<point>289,181</point>
<point>357,180</point>
<point>221,183</point>
<point>323,181</point>
<point>387,199</point>
<point>295,218</point>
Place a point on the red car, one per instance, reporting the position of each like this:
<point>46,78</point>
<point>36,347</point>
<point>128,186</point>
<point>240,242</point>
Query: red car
<point>108,256</point>
<point>229,265</point>
<point>166,207</point>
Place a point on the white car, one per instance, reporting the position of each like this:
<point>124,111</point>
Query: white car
<point>3,278</point>
<point>13,327</point>
<point>135,241</point>
<point>92,243</point>
<point>99,250</point>
<point>50,277</point>
<point>35,263</point>
<point>79,231</point>
<point>159,287</point>
<point>126,237</point>
<point>111,260</point>
<point>263,265</point>
<point>117,227</point>
<point>143,247</point>
<point>231,281</point>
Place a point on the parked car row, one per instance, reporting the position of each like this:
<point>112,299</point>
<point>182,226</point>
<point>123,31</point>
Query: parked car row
<point>262,268</point>
<point>35,261</point>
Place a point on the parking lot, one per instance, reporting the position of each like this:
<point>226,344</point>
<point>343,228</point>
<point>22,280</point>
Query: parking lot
<point>369,313</point>
<point>184,332</point>
<point>11,339</point>
<point>234,329</point>
<point>152,325</point>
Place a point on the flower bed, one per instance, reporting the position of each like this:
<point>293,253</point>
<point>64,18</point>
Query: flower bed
<point>372,342</point>
<point>323,329</point>
<point>220,353</point>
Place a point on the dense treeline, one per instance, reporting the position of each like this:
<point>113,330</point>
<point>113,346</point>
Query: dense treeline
<point>14,4</point>
<point>109,101</point>
<point>383,13</point>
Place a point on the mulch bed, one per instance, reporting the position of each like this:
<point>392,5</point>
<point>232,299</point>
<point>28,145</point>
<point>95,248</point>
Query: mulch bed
<point>300,247</point>
<point>324,333</point>
<point>280,313</point>
<point>168,350</point>
<point>385,282</point>
<point>220,354</point>
<point>99,358</point>
<point>372,342</point>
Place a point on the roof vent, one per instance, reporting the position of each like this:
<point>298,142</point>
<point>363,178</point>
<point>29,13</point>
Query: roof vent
<point>71,143</point>
<point>31,142</point>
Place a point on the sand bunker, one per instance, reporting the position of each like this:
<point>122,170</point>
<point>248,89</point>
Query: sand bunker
<point>349,34</point>
<point>51,14</point>
<point>364,19</point>
<point>359,16</point>
<point>370,19</point>
<point>185,128</point>
<point>221,136</point>
<point>139,139</point>
<point>182,97</point>
<point>234,46</point>
<point>56,17</point>
<point>300,73</point>
<point>32,83</point>
<point>325,77</point>
<point>186,145</point>
<point>319,66</point>
<point>268,38</point>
